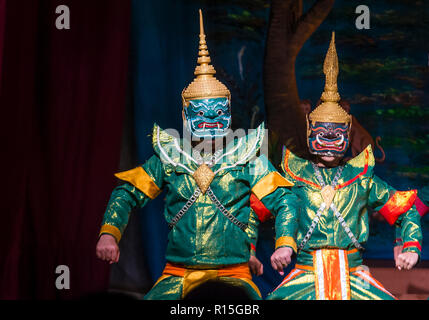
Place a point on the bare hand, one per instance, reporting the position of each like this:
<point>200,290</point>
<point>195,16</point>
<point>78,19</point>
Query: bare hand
<point>107,249</point>
<point>397,250</point>
<point>407,260</point>
<point>256,266</point>
<point>281,258</point>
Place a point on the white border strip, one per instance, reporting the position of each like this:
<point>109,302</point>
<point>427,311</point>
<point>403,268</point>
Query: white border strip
<point>368,278</point>
<point>288,277</point>
<point>176,144</point>
<point>165,155</point>
<point>343,277</point>
<point>245,157</point>
<point>319,275</point>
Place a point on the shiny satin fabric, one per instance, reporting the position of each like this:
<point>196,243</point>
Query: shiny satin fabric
<point>330,274</point>
<point>399,202</point>
<point>171,288</point>
<point>190,278</point>
<point>139,178</point>
<point>357,189</point>
<point>300,285</point>
<point>332,279</point>
<point>204,237</point>
<point>323,270</point>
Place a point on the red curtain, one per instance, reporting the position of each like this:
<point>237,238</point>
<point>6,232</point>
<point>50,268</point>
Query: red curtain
<point>2,25</point>
<point>62,96</point>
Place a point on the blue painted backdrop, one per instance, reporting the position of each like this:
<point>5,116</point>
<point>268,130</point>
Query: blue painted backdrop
<point>162,61</point>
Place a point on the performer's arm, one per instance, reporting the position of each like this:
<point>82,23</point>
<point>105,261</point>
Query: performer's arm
<point>422,205</point>
<point>271,189</point>
<point>141,185</point>
<point>397,244</point>
<point>252,231</point>
<point>398,208</point>
<point>122,201</point>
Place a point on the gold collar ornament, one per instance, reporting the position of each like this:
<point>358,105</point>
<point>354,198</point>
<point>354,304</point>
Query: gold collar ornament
<point>329,110</point>
<point>203,177</point>
<point>205,85</point>
<point>328,194</point>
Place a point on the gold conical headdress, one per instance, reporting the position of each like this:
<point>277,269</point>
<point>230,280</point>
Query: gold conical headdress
<point>205,85</point>
<point>329,110</point>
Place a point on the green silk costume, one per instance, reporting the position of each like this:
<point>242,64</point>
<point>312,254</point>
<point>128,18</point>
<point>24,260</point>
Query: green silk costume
<point>203,238</point>
<point>356,189</point>
<point>422,206</point>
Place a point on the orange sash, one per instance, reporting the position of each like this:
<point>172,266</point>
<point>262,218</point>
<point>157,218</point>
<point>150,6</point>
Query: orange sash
<point>192,278</point>
<point>331,271</point>
<point>234,271</point>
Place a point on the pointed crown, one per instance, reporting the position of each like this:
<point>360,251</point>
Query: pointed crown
<point>205,85</point>
<point>329,110</point>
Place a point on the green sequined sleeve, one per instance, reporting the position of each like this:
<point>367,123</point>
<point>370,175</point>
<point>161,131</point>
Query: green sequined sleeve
<point>398,208</point>
<point>379,194</point>
<point>398,238</point>
<point>286,223</point>
<point>411,232</point>
<point>252,231</point>
<point>141,185</point>
<point>274,192</point>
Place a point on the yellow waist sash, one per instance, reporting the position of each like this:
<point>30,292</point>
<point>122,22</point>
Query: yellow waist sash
<point>193,277</point>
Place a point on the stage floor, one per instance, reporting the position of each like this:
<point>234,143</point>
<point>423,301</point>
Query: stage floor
<point>405,285</point>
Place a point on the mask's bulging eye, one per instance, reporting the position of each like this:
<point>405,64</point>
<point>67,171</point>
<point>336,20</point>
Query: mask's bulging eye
<point>219,112</point>
<point>201,113</point>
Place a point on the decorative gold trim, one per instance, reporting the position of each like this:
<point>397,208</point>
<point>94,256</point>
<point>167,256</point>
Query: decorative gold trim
<point>286,241</point>
<point>329,110</point>
<point>205,85</point>
<point>162,277</point>
<point>328,194</point>
<point>139,178</point>
<point>399,203</point>
<point>269,184</point>
<point>203,177</point>
<point>112,230</point>
<point>331,70</point>
<point>194,278</point>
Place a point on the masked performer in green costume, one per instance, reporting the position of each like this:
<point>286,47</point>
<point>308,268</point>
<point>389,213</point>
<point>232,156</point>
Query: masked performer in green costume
<point>207,200</point>
<point>332,227</point>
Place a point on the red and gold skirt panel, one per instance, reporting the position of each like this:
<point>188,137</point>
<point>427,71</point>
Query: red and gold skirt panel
<point>330,278</point>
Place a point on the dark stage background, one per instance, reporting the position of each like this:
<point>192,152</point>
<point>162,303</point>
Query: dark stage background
<point>79,105</point>
<point>62,97</point>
